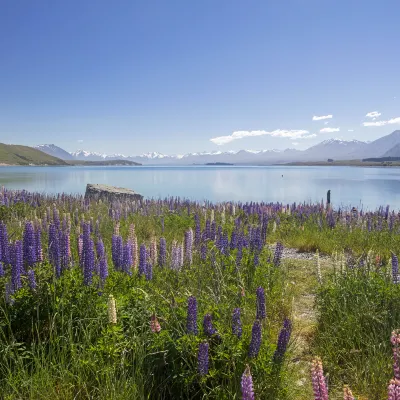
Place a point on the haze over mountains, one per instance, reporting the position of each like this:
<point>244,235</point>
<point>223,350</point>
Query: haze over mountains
<point>335,149</point>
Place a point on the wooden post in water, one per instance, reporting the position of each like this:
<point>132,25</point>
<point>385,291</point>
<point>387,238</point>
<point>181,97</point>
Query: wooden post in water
<point>328,199</point>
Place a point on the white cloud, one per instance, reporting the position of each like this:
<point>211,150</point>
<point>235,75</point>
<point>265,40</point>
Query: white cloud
<point>315,118</point>
<point>293,134</point>
<point>383,123</point>
<point>329,130</point>
<point>373,114</point>
<point>350,130</point>
<point>312,135</point>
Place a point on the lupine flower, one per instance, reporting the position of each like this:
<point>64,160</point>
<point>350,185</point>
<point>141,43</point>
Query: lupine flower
<point>208,327</point>
<point>236,323</point>
<point>5,248</point>
<point>213,229</point>
<point>127,258</point>
<point>31,279</point>
<point>162,255</point>
<point>149,272</point>
<point>112,310</point>
<point>29,254</point>
<point>142,259</point>
<point>203,251</point>
<point>16,265</point>
<point>192,316</point>
<point>278,254</point>
<point>395,340</point>
<point>180,255</point>
<point>318,380</point>
<point>394,389</point>
<point>2,273</point>
<point>80,247</point>
<point>246,385</point>
<point>261,310</point>
<point>154,324</point>
<point>283,340</point>
<point>347,394</point>
<point>395,269</point>
<point>133,242</point>
<point>255,342</point>
<point>189,246</point>
<point>102,261</point>
<point>202,358</point>
<point>88,266</point>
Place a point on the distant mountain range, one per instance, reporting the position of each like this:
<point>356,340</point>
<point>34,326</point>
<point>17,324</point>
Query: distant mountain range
<point>387,146</point>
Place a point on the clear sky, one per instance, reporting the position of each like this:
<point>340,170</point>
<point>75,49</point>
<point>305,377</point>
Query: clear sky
<point>169,76</point>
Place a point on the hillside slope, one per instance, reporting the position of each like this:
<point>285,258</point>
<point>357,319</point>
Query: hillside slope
<point>24,155</point>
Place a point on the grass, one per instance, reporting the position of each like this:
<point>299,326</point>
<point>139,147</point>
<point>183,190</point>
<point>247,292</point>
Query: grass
<point>24,155</point>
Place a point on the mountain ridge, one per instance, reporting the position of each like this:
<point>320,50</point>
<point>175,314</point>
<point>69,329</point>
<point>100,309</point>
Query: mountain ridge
<point>330,148</point>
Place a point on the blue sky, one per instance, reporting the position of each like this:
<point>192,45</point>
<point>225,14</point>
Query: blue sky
<point>169,76</point>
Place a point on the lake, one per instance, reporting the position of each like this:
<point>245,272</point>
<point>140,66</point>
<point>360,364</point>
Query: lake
<point>357,186</point>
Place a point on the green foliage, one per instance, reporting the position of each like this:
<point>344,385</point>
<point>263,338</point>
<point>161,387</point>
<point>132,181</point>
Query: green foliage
<point>357,311</point>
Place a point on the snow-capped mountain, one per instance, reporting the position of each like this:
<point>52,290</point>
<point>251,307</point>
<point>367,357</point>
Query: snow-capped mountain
<point>336,149</point>
<point>55,151</point>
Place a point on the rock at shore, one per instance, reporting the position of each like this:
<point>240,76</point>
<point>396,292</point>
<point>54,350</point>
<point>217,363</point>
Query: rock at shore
<point>96,191</point>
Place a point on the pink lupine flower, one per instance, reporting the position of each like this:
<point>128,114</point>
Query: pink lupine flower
<point>395,340</point>
<point>394,390</point>
<point>318,380</point>
<point>347,394</point>
<point>154,324</point>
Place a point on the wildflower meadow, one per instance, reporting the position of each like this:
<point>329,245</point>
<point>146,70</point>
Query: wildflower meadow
<point>176,299</point>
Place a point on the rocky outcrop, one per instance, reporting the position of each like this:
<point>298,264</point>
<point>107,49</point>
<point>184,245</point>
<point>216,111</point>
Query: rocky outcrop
<point>96,191</point>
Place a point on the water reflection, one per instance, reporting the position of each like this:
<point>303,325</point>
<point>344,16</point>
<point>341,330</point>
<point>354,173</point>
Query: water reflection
<point>368,186</point>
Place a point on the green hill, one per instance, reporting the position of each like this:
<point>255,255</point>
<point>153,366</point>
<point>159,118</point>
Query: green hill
<point>23,155</point>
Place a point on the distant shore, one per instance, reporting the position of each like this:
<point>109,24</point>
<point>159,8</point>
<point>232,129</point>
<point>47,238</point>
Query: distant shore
<point>344,163</point>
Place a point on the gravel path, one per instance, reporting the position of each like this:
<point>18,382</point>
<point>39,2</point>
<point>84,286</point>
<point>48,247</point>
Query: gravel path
<point>294,254</point>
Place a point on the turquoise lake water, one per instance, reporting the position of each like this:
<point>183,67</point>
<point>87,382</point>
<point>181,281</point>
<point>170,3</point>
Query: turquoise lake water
<point>370,187</point>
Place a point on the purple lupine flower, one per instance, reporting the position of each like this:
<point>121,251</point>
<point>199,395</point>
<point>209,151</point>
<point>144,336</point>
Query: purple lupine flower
<point>31,279</point>
<point>189,246</point>
<point>246,385</point>
<point>234,239</point>
<point>38,245</point>
<point>213,230</point>
<point>5,247</point>
<point>2,273</point>
<point>143,259</point>
<point>239,254</point>
<point>236,323</point>
<point>208,327</point>
<point>56,217</point>
<point>102,260</point>
<point>16,265</point>
<point>127,258</point>
<point>29,254</point>
<point>202,358</point>
<point>197,231</point>
<point>278,254</point>
<point>149,272</point>
<point>54,250</point>
<point>256,259</point>
<point>395,269</point>
<point>203,251</point>
<point>117,252</point>
<point>162,255</point>
<point>88,266</point>
<point>318,380</point>
<point>191,324</point>
<point>283,340</point>
<point>261,310</point>
<point>255,342</point>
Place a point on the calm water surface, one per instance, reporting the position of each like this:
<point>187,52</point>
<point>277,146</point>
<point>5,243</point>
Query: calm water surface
<point>370,187</point>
